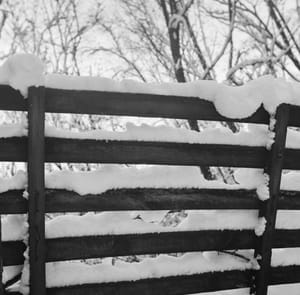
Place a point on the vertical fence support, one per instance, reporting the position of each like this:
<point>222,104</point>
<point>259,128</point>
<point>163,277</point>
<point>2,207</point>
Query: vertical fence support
<point>36,184</point>
<point>1,260</point>
<point>268,208</point>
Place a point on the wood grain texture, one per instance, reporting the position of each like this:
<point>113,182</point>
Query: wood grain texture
<point>180,285</point>
<point>151,199</point>
<point>12,202</point>
<point>98,151</point>
<point>268,208</point>
<point>13,252</point>
<point>176,285</point>
<point>138,104</point>
<point>131,104</point>
<point>36,186</point>
<point>164,242</point>
<point>1,260</point>
<point>162,153</point>
<point>285,275</point>
<point>11,99</point>
<point>148,243</point>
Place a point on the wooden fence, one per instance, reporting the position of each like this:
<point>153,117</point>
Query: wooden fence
<point>36,150</point>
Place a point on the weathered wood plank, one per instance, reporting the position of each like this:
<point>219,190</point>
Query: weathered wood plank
<point>36,185</point>
<point>180,285</point>
<point>100,151</point>
<point>13,149</point>
<point>162,199</point>
<point>13,252</point>
<point>289,200</point>
<point>1,260</point>
<point>151,199</point>
<point>91,151</point>
<point>130,104</point>
<point>100,246</point>
<point>12,202</point>
<point>285,275</point>
<point>176,285</point>
<point>268,208</point>
<point>11,99</point>
<point>286,238</point>
<point>294,116</point>
<point>168,242</point>
<point>138,104</point>
<point>123,104</point>
<point>148,243</point>
<point>291,159</point>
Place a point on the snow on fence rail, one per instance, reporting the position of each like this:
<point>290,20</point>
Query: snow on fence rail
<point>36,149</point>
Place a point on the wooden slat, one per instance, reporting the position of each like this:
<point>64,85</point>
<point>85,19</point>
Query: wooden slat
<point>11,99</point>
<point>294,117</point>
<point>148,243</point>
<point>176,285</point>
<point>289,200</point>
<point>162,199</point>
<point>291,159</point>
<point>13,253</point>
<point>91,151</point>
<point>180,285</point>
<point>59,150</point>
<point>168,242</point>
<point>285,275</point>
<point>123,104</point>
<point>1,259</point>
<point>12,202</point>
<point>268,208</point>
<point>100,151</point>
<point>286,238</point>
<point>137,104</point>
<point>129,104</point>
<point>151,199</point>
<point>13,149</point>
<point>36,185</point>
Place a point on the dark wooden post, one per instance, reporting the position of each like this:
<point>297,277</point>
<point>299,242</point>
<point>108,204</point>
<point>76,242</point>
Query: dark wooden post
<point>36,205</point>
<point>1,261</point>
<point>268,208</point>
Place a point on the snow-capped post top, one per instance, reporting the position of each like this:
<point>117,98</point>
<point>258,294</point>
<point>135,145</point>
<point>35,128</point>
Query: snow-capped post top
<point>21,71</point>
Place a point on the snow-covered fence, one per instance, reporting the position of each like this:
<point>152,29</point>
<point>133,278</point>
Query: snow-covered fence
<point>191,279</point>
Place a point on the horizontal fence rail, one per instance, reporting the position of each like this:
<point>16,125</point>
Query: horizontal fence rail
<point>145,152</point>
<point>180,285</point>
<point>177,285</point>
<point>85,247</point>
<point>61,201</point>
<point>167,242</point>
<point>131,104</point>
<point>136,152</point>
<point>13,252</point>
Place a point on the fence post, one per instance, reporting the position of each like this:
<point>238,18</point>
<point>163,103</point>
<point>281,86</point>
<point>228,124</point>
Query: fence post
<point>36,183</point>
<point>1,260</point>
<point>268,208</point>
